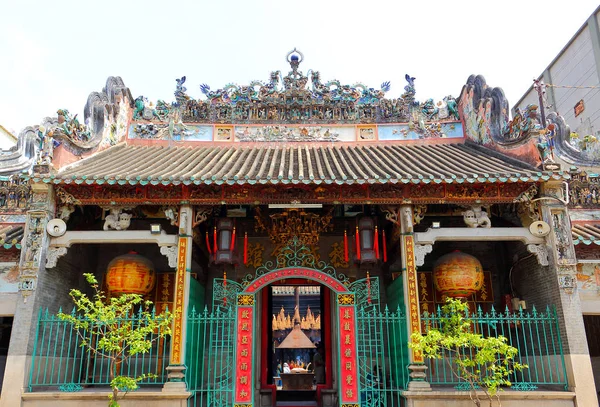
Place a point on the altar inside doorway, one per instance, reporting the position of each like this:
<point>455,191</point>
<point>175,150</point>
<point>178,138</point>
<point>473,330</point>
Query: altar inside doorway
<point>296,334</point>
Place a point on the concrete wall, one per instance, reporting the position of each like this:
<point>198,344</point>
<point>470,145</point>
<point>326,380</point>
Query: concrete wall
<point>576,65</point>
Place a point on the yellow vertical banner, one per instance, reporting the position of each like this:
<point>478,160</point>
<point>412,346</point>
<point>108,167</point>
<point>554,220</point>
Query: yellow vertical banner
<point>413,292</point>
<point>177,335</point>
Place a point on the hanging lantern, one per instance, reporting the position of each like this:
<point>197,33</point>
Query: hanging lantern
<point>458,274</point>
<point>130,274</point>
<point>367,245</point>
<point>224,242</point>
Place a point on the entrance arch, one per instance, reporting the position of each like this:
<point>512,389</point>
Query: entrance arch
<point>295,261</point>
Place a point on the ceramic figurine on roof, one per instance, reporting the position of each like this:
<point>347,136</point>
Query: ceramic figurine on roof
<point>180,95</point>
<point>70,126</point>
<point>522,124</point>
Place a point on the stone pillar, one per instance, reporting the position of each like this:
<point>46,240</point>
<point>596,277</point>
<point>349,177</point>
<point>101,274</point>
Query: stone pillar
<point>418,381</point>
<point>176,368</point>
<point>31,267</point>
<point>563,268</point>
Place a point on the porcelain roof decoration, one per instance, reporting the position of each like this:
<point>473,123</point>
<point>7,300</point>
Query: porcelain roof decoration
<point>297,98</point>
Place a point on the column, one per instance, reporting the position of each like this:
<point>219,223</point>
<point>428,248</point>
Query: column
<point>31,266</point>
<point>176,368</point>
<point>563,269</point>
<point>417,368</point>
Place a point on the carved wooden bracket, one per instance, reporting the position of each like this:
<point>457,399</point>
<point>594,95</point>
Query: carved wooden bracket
<point>540,251</point>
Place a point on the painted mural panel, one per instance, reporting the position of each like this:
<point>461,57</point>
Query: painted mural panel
<point>588,278</point>
<point>421,131</point>
<point>164,131</point>
<point>9,277</point>
<point>294,133</point>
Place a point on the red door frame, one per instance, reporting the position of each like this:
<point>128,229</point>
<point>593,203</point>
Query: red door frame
<point>265,313</point>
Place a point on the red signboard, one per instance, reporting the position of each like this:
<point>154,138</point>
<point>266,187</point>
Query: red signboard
<point>349,371</point>
<point>579,108</point>
<point>243,366</point>
<point>413,294</point>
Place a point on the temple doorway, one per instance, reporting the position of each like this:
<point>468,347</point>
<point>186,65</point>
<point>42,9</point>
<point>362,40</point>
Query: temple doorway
<point>297,335</point>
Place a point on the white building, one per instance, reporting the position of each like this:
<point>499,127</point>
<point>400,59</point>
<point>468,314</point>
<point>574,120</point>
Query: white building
<point>7,139</point>
<point>575,78</point>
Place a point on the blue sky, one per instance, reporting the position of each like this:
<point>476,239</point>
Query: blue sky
<point>53,54</point>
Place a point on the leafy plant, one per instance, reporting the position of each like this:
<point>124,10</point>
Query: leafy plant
<point>117,328</point>
<point>483,363</point>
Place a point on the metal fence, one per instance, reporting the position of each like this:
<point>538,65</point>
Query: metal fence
<point>535,334</point>
<point>61,362</point>
<point>382,357</point>
<point>210,358</point>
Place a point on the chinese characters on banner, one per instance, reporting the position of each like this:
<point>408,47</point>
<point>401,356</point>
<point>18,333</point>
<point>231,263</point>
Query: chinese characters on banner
<point>179,299</point>
<point>243,384</point>
<point>349,371</point>
<point>413,295</point>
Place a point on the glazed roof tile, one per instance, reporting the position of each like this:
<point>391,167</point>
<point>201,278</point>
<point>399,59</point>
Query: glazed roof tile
<point>11,235</point>
<point>298,163</point>
<point>586,233</point>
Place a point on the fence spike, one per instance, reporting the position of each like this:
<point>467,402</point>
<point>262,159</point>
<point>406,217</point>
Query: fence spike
<point>534,311</point>
<point>493,311</point>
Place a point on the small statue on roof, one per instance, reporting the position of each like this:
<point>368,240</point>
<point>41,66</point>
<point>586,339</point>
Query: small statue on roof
<point>545,143</point>
<point>71,127</point>
<point>180,96</point>
<point>452,106</point>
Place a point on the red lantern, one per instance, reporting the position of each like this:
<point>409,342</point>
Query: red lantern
<point>130,274</point>
<point>458,274</point>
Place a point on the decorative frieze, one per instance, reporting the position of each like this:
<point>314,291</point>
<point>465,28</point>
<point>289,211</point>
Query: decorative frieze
<point>204,195</point>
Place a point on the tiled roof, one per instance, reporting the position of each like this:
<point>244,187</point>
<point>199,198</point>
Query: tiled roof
<point>298,163</point>
<point>11,235</point>
<point>586,233</point>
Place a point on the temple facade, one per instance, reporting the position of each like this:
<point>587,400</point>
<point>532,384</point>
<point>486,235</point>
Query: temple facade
<point>300,230</point>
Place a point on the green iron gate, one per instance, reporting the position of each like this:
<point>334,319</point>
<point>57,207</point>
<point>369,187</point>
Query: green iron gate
<point>381,336</point>
<point>382,348</point>
<point>210,353</point>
